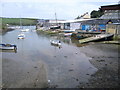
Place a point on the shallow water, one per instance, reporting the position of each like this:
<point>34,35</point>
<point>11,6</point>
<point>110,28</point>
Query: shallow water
<point>37,61</point>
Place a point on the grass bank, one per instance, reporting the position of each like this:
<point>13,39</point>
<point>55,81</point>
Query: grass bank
<point>16,21</point>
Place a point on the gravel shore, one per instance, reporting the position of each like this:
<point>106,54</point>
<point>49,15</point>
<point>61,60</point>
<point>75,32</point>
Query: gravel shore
<point>105,58</point>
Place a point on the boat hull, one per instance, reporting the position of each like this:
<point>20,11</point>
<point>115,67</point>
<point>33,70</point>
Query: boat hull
<point>55,43</point>
<point>105,38</point>
<point>67,34</point>
<point>68,31</point>
<point>20,37</point>
<point>101,37</point>
<point>7,47</point>
<point>24,30</point>
<point>55,27</point>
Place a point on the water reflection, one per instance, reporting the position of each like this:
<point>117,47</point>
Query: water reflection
<point>6,31</point>
<point>10,51</point>
<point>56,46</point>
<point>67,40</point>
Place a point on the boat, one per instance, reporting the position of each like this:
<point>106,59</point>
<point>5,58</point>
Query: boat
<point>79,36</point>
<point>68,31</point>
<point>8,47</point>
<point>85,32</point>
<point>100,37</point>
<point>54,27</point>
<point>24,30</point>
<point>57,43</point>
<point>67,34</point>
<point>13,27</point>
<point>21,36</point>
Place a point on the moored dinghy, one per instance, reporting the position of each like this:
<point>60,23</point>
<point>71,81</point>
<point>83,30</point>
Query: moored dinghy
<point>69,31</point>
<point>8,47</point>
<point>58,43</point>
<point>67,34</point>
<point>21,36</point>
<point>24,30</point>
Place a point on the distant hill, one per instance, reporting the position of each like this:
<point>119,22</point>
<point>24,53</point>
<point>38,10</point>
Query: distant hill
<point>16,21</point>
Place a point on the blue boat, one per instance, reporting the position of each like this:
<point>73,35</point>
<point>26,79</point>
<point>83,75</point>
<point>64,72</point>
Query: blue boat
<point>8,47</point>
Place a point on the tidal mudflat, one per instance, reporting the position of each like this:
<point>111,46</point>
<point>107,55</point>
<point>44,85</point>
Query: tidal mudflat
<point>38,64</point>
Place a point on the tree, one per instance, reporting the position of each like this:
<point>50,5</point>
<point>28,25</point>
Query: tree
<point>96,14</point>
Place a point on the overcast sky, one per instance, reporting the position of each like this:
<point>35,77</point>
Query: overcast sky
<point>45,9</point>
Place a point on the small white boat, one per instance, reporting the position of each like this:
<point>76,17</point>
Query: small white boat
<point>68,31</point>
<point>67,34</point>
<point>24,30</point>
<point>21,36</point>
<point>58,43</point>
<point>13,27</point>
<point>8,47</point>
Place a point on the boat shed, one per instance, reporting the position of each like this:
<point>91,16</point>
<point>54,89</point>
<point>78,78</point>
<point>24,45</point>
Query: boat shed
<point>72,24</point>
<point>111,15</point>
<point>97,24</point>
<point>111,11</point>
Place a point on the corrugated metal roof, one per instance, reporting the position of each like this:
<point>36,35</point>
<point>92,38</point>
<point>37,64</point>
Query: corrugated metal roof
<point>76,20</point>
<point>100,21</point>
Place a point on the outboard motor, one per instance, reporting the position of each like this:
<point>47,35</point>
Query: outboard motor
<point>59,41</point>
<point>15,47</point>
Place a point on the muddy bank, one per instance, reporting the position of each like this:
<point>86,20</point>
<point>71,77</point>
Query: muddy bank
<point>19,74</point>
<point>3,31</point>
<point>105,58</point>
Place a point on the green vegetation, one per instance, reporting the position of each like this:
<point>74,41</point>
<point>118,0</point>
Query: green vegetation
<point>48,32</point>
<point>116,37</point>
<point>78,17</point>
<point>96,14</point>
<point>16,21</point>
